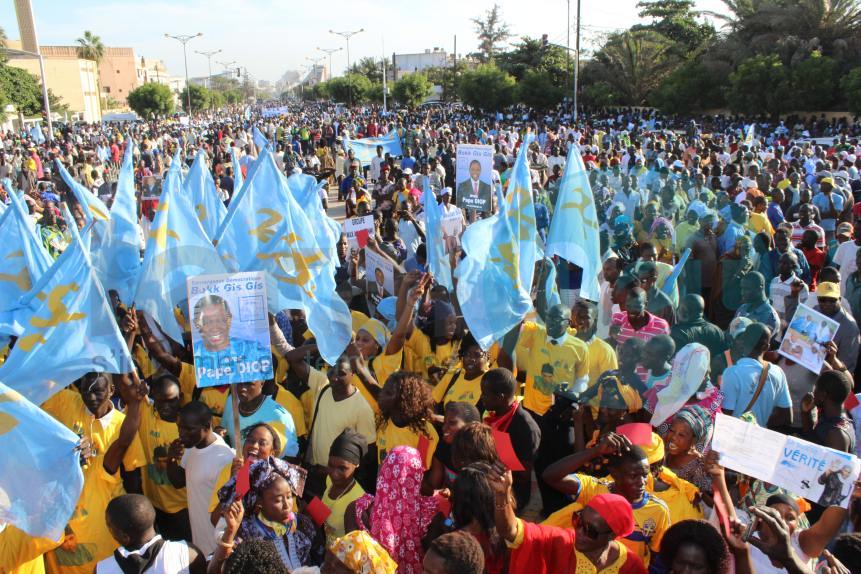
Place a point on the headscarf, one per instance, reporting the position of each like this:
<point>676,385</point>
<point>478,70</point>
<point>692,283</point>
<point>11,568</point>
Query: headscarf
<point>401,515</point>
<point>350,446</point>
<point>616,512</point>
<point>387,308</point>
<point>690,366</point>
<point>699,420</point>
<point>614,394</point>
<point>359,552</point>
<point>655,449</point>
<point>261,474</point>
<point>377,330</point>
<point>662,221</point>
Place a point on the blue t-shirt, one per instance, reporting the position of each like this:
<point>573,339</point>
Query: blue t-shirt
<point>739,385</point>
<point>821,202</point>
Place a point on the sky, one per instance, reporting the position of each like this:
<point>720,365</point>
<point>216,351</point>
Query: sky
<point>270,37</point>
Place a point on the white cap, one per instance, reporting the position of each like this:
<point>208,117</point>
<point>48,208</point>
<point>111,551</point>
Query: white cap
<point>445,191</point>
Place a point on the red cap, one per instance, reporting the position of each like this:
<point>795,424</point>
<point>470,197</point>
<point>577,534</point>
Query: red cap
<point>616,512</point>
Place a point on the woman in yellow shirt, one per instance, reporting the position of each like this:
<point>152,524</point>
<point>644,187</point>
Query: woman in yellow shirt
<point>405,419</point>
<point>464,384</point>
<point>433,346</point>
<point>342,489</point>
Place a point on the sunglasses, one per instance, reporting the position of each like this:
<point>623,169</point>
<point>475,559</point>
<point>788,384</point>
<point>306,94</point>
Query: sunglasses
<point>588,529</point>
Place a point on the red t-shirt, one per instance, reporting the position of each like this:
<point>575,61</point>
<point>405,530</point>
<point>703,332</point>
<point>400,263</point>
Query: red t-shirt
<point>816,259</point>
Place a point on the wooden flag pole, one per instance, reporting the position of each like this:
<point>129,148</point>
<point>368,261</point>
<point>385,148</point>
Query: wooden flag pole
<point>234,400</point>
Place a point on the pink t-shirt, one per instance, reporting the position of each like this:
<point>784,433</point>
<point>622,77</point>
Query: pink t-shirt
<point>655,326</point>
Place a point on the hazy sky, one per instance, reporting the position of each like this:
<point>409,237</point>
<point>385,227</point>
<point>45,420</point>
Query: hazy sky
<point>271,36</point>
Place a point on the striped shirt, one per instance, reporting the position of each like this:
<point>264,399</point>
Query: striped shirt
<point>798,233</point>
<point>655,326</point>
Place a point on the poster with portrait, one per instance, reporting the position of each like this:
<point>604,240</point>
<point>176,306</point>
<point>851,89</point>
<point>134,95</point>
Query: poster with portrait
<point>805,338</point>
<point>473,183</point>
<point>819,474</point>
<point>229,328</point>
<point>452,229</point>
<point>380,276</point>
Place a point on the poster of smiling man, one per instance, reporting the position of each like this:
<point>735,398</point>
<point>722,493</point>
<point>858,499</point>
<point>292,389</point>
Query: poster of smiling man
<point>229,328</point>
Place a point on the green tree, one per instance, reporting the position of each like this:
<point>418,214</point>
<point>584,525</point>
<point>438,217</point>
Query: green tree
<point>635,63</point>
<point>537,90</point>
<point>446,78</point>
<point>491,32</point>
<point>20,88</point>
<point>412,89</point>
<point>813,83</point>
<point>151,101</point>
<point>535,54</point>
<point>370,68</point>
<point>599,94</point>
<point>199,98</point>
<point>850,86</point>
<point>487,88</point>
<point>676,20</point>
<point>760,84</point>
<point>695,86</point>
<point>339,88</point>
<point>90,47</point>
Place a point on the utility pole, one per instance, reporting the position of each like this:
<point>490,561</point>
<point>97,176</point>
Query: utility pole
<point>385,87</point>
<point>453,71</point>
<point>209,56</point>
<point>316,62</point>
<point>185,39</point>
<point>346,36</point>
<point>24,12</point>
<point>568,45</point>
<point>577,61</point>
<point>330,51</point>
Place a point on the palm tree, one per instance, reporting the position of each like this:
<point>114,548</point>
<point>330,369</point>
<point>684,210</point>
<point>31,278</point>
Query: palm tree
<point>90,47</point>
<point>636,62</point>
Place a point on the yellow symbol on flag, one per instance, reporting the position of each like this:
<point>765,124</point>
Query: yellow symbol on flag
<point>201,212</point>
<point>266,230</point>
<point>98,213</point>
<point>7,423</point>
<point>21,279</point>
<point>581,206</point>
<point>301,264</point>
<point>508,257</point>
<point>161,233</point>
<point>59,314</point>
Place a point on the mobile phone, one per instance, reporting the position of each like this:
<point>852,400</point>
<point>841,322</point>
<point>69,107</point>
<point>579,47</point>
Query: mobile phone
<point>749,530</point>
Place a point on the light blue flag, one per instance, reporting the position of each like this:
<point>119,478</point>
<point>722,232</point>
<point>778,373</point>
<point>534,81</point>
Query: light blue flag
<point>96,214</point>
<point>492,298</point>
<point>750,134</point>
<point>438,262</point>
<point>519,211</point>
<point>71,332</point>
<point>23,255</point>
<point>118,262</point>
<point>365,149</point>
<point>573,232</point>
<point>267,230</point>
<point>41,478</point>
<point>36,134</point>
<point>259,140</point>
<point>200,188</point>
<point>551,289</point>
<point>177,248</point>
<point>237,171</point>
<point>306,191</point>
<point>673,277</point>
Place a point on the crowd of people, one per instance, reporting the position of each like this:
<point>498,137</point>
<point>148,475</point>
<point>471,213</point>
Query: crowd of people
<point>419,450</point>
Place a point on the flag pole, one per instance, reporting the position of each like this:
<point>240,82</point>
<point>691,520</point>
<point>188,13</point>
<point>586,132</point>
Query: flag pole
<point>234,400</point>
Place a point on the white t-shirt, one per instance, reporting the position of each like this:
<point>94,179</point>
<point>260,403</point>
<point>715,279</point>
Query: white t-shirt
<point>845,258</point>
<point>172,558</point>
<point>781,289</point>
<point>202,467</point>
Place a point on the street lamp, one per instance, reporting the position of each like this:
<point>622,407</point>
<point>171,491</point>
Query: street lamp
<point>185,39</point>
<point>330,51</point>
<point>346,36</point>
<point>209,56</point>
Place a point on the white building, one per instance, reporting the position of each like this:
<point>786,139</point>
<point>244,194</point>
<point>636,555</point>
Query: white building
<point>403,64</point>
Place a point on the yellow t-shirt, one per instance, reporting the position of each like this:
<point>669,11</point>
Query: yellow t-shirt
<point>420,357</point>
<point>144,362</point>
<point>90,540</point>
<point>334,525</point>
<point>213,397</point>
<point>680,497</point>
<point>462,391</point>
<point>294,406</point>
<point>651,517</point>
<point>758,222</point>
<point>20,553</point>
<point>547,365</point>
<point>382,366</point>
<point>391,436</point>
<point>602,358</point>
<point>156,435</point>
<point>223,477</point>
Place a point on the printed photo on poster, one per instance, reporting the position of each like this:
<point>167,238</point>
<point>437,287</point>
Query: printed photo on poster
<point>358,230</point>
<point>229,328</point>
<point>805,338</point>
<point>452,229</point>
<point>474,166</point>
<point>380,276</point>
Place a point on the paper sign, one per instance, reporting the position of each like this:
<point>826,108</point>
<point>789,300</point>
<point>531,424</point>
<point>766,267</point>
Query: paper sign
<point>353,225</point>
<point>805,338</point>
<point>318,511</point>
<point>380,273</point>
<point>637,433</point>
<point>473,184</point>
<point>243,479</point>
<point>229,328</point>
<point>506,453</point>
<point>819,474</point>
<point>452,228</point>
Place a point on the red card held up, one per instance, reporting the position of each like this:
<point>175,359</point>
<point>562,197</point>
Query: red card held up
<point>318,511</point>
<point>443,504</point>
<point>423,447</point>
<point>720,509</point>
<point>638,433</point>
<point>851,402</point>
<point>362,236</point>
<point>505,450</point>
<point>243,479</point>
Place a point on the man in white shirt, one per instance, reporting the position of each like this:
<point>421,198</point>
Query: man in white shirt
<point>195,460</point>
<point>376,163</point>
<point>131,520</point>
